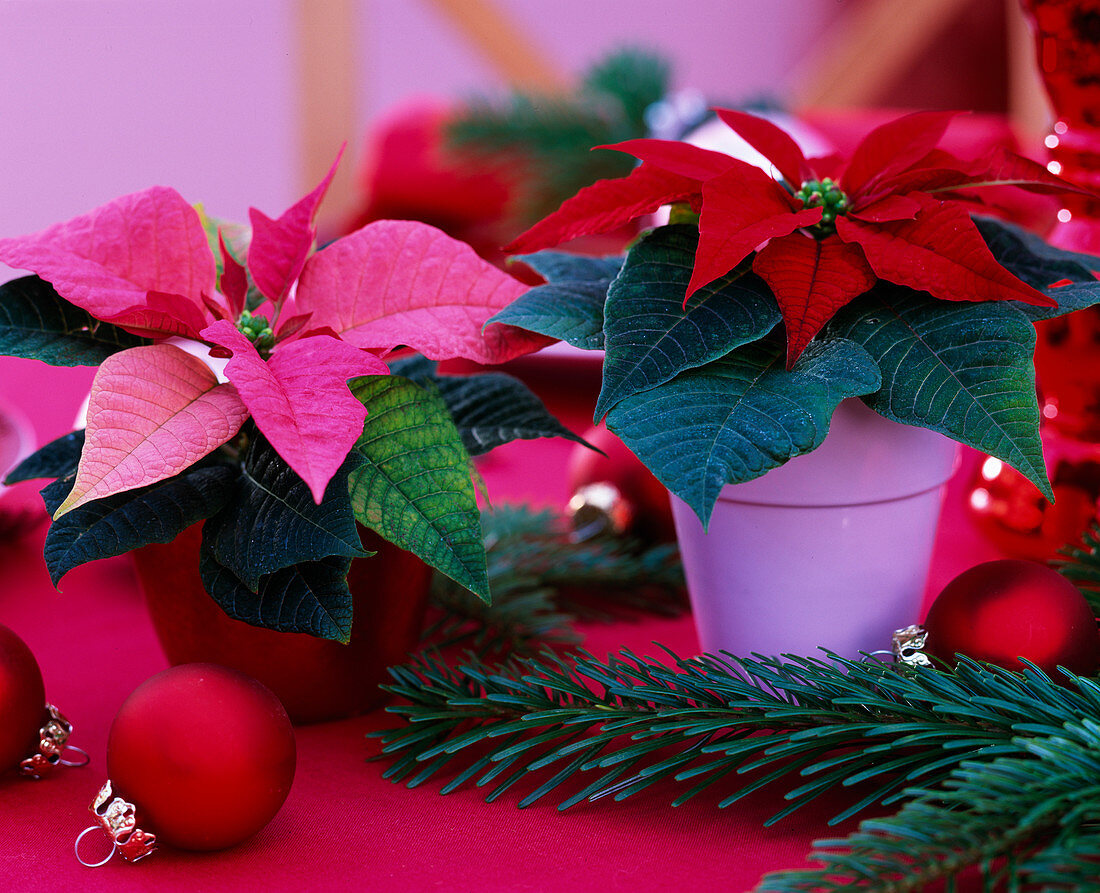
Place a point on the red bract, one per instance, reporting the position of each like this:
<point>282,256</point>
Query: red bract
<point>898,211</point>
<point>144,262</point>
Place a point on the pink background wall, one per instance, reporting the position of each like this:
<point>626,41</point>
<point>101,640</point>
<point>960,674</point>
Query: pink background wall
<point>731,48</point>
<point>104,97</point>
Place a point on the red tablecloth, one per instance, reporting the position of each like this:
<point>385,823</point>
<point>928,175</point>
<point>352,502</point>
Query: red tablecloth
<point>344,826</point>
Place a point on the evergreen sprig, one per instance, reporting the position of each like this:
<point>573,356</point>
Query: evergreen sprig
<point>623,725</point>
<point>1081,565</point>
<point>553,136</point>
<point>544,580</point>
<point>1031,817</point>
<point>996,774</point>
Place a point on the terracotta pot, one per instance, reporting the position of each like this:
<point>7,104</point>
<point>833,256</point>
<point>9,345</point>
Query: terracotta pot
<point>315,679</point>
<point>830,550</point>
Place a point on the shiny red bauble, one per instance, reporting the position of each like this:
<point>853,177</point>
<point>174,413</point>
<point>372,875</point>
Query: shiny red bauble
<point>645,499</point>
<point>205,754</point>
<point>1002,610</point>
<point>22,700</point>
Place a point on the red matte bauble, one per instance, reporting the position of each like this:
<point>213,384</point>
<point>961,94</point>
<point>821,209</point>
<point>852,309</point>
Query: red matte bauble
<point>1002,610</point>
<point>22,700</point>
<point>645,496</point>
<point>205,754</point>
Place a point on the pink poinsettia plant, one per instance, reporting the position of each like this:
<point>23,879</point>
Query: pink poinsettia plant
<point>732,333</point>
<point>245,380</point>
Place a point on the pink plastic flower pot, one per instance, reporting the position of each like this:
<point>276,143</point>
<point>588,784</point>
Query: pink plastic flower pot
<point>830,550</point>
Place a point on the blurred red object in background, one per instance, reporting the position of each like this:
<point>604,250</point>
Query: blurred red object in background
<point>1067,354</point>
<point>409,174</point>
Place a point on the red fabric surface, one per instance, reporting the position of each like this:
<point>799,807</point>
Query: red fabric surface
<point>343,825</point>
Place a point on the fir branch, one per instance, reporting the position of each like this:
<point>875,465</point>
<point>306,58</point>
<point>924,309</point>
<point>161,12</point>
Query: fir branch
<point>1070,864</point>
<point>996,772</point>
<point>636,79</point>
<point>1081,565</point>
<point>543,582</point>
<point>521,619</point>
<point>551,137</point>
<point>830,723</point>
<point>1029,817</point>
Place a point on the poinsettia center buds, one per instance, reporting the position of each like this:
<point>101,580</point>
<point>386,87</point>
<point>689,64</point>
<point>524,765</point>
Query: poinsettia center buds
<point>827,195</point>
<point>256,329</point>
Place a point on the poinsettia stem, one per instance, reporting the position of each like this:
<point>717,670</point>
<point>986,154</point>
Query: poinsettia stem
<point>275,315</point>
<point>235,447</point>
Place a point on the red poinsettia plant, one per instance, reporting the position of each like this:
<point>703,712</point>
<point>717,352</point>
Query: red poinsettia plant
<point>246,380</point>
<point>886,286</point>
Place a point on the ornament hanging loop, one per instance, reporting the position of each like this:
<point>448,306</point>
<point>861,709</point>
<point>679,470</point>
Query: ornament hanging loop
<point>909,644</point>
<point>82,757</point>
<point>878,653</point>
<point>53,744</point>
<point>101,862</point>
<point>118,819</point>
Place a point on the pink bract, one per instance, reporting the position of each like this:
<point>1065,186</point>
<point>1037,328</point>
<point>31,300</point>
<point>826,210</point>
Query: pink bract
<point>109,260</point>
<point>303,406</point>
<point>144,262</point>
<point>280,247</point>
<point>398,282</point>
<point>153,412</point>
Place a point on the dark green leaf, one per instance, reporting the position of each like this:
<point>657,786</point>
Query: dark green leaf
<point>416,368</point>
<point>963,369</point>
<point>272,522</point>
<point>54,493</point>
<point>489,409</point>
<point>413,484</point>
<point>570,305</point>
<point>1040,265</point>
<point>1076,296</point>
<point>311,597</point>
<point>561,266</point>
<point>1032,258</point>
<point>126,521</point>
<point>736,418</point>
<point>56,459</point>
<point>648,334</point>
<point>37,323</point>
